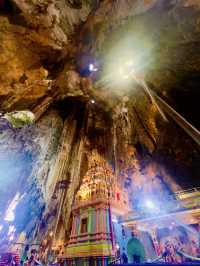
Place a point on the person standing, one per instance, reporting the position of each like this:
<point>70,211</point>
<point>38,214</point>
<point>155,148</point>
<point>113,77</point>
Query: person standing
<point>124,257</point>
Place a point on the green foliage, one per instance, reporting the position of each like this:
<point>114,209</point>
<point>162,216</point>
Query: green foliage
<point>19,119</point>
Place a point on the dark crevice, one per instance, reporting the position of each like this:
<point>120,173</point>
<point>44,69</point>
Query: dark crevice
<point>145,128</point>
<point>70,105</point>
<point>10,9</point>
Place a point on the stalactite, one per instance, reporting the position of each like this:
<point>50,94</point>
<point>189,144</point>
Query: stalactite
<point>61,167</point>
<point>115,147</point>
<point>68,168</point>
<point>145,128</point>
<point>75,180</point>
<point>40,109</point>
<point>57,182</point>
<point>122,133</point>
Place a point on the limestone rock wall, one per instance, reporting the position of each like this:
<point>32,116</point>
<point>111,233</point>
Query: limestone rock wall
<point>27,160</point>
<point>23,78</point>
<point>53,21</point>
<point>48,132</point>
<point>34,36</point>
<point>62,181</point>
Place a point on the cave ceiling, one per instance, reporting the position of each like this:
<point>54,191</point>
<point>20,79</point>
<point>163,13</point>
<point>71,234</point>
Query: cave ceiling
<point>43,43</point>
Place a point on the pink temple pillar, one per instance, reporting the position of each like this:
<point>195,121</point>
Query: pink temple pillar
<point>155,241</point>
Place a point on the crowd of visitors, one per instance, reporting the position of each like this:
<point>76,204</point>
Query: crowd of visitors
<point>174,250</point>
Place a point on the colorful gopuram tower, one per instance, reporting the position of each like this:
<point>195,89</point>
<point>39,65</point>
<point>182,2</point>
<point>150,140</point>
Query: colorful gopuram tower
<point>92,240</point>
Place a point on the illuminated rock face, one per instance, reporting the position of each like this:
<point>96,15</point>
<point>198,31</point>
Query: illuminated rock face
<point>27,159</point>
<point>17,69</point>
<point>31,33</point>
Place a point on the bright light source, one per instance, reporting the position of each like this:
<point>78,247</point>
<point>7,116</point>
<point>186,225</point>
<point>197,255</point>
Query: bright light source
<point>129,63</point>
<point>129,57</point>
<point>11,230</point>
<point>10,215</point>
<point>117,246</point>
<point>141,228</point>
<point>11,237</point>
<point>92,68</point>
<point>149,204</point>
<point>126,70</point>
<point>92,101</point>
<point>120,74</point>
<point>123,74</point>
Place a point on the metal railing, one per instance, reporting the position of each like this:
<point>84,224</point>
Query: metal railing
<point>187,192</point>
<point>192,195</point>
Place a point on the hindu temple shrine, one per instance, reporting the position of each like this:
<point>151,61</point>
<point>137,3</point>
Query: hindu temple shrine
<point>99,132</point>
